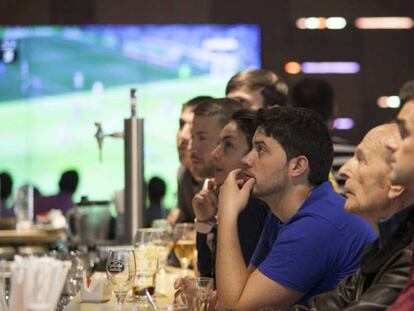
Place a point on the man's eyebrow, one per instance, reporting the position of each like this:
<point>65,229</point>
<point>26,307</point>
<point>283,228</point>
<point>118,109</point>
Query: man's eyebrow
<point>229,136</point>
<point>259,142</point>
<point>359,152</point>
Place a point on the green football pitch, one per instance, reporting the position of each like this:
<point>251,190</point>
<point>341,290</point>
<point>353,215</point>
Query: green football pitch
<point>42,136</point>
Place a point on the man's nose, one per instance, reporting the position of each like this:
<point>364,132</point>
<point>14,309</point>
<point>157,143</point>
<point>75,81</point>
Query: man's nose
<point>215,154</point>
<point>247,160</point>
<point>190,145</point>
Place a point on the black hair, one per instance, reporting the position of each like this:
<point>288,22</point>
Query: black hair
<point>273,89</point>
<point>247,122</point>
<point>6,185</point>
<point>407,92</point>
<point>314,94</point>
<point>156,189</point>
<point>300,132</point>
<point>69,181</point>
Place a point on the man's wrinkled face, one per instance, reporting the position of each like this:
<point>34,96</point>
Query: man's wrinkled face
<point>205,134</point>
<point>267,164</point>
<point>367,173</point>
<point>253,98</point>
<point>231,149</point>
<point>184,136</point>
<point>402,160</point>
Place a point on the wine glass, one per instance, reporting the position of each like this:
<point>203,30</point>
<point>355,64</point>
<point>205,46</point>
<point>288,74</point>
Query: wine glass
<point>121,271</point>
<point>153,243</point>
<point>184,247</point>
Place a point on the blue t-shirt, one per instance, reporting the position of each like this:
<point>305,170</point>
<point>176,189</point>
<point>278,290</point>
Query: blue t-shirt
<point>316,248</point>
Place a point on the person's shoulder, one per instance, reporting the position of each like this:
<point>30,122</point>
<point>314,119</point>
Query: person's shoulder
<point>326,209</point>
<point>323,199</point>
<point>181,171</point>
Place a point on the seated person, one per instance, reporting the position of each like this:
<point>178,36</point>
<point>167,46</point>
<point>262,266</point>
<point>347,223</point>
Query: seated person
<point>235,143</point>
<point>402,172</point>
<point>188,183</point>
<point>369,193</point>
<point>156,192</point>
<point>63,200</point>
<point>6,187</point>
<point>309,242</point>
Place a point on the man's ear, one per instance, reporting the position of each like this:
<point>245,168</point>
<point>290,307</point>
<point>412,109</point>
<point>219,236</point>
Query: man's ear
<point>298,166</point>
<point>395,191</point>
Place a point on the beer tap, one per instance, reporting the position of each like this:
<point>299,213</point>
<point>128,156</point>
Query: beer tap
<point>134,198</point>
<point>100,135</point>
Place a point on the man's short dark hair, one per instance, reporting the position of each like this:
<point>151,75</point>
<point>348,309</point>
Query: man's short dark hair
<point>195,101</point>
<point>314,94</point>
<point>407,92</point>
<point>273,89</point>
<point>6,185</point>
<point>223,107</point>
<point>247,122</point>
<point>300,132</point>
<point>69,181</point>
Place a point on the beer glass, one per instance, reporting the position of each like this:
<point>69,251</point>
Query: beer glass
<point>153,243</point>
<point>145,279</point>
<point>121,271</point>
<point>184,247</point>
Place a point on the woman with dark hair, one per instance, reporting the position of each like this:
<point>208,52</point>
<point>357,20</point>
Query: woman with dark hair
<point>235,142</point>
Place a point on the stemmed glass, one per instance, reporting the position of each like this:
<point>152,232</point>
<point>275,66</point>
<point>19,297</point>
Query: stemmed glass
<point>184,247</point>
<point>121,271</point>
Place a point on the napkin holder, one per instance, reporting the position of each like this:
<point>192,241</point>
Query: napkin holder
<point>95,289</point>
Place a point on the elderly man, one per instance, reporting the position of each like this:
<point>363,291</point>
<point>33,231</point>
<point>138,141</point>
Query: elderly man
<point>370,193</point>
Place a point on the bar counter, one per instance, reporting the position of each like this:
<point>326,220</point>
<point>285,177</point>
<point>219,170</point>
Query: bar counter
<point>164,294</point>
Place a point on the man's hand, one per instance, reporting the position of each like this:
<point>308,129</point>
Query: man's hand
<point>205,203</point>
<point>234,195</point>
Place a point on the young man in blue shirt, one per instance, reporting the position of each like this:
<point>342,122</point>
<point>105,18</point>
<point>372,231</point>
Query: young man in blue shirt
<point>309,242</point>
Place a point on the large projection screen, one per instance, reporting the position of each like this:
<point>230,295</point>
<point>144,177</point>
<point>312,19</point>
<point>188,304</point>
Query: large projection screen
<point>57,81</point>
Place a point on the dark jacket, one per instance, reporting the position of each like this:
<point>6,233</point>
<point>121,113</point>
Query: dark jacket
<point>249,225</point>
<point>384,272</point>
